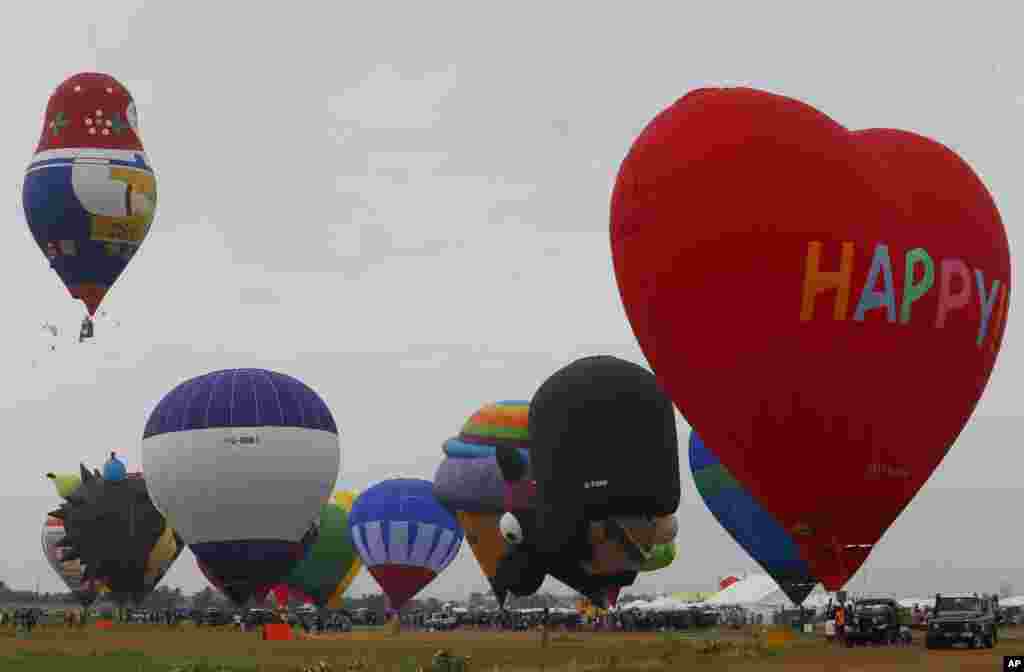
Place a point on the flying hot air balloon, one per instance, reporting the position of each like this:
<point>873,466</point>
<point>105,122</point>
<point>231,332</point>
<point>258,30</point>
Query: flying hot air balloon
<point>240,461</point>
<point>403,536</point>
<point>318,578</point>
<point>469,483</point>
<point>842,332</point>
<point>753,528</point>
<point>115,532</point>
<point>89,192</point>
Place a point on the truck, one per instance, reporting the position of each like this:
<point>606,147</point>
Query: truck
<point>964,619</point>
<point>876,621</point>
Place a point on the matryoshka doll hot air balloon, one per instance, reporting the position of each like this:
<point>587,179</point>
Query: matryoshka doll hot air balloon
<point>89,192</point>
<point>753,528</point>
<point>241,461</point>
<point>404,536</point>
<point>469,483</point>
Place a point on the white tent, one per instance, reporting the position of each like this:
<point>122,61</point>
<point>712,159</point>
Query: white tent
<point>1015,601</point>
<point>760,593</point>
<point>664,603</point>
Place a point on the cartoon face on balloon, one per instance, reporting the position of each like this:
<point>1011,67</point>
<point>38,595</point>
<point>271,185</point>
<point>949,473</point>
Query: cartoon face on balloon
<point>90,191</point>
<point>610,556</point>
<point>604,487</point>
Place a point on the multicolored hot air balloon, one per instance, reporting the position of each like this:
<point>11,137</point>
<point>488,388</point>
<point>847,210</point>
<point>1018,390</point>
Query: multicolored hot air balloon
<point>72,572</point>
<point>604,458</point>
<point>828,297</point>
<point>89,192</point>
<point>118,536</point>
<point>240,461</point>
<point>746,521</point>
<point>469,483</point>
<point>331,562</point>
<point>404,536</point>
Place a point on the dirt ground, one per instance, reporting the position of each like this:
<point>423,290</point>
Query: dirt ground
<point>155,648</point>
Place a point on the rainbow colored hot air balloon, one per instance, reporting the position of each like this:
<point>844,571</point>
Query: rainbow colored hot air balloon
<point>404,536</point>
<point>469,483</point>
<point>746,521</point>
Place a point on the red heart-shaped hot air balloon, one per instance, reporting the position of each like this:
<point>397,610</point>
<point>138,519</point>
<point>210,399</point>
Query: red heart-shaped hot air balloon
<point>824,306</point>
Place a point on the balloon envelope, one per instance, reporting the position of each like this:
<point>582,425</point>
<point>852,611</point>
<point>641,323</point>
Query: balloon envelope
<point>404,536</point>
<point>826,295</point>
<point>469,483</point>
<point>523,566</point>
<point>72,573</point>
<point>114,469</point>
<point>746,521</point>
<point>345,499</point>
<point>118,535</point>
<point>240,461</point>
<point>89,193</point>
<point>317,577</point>
<point>602,444</point>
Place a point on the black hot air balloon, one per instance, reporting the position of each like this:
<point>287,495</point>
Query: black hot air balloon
<point>604,455</point>
<point>117,534</point>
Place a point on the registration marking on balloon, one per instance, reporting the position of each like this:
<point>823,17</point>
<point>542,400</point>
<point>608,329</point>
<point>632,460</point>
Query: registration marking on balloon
<point>958,286</point>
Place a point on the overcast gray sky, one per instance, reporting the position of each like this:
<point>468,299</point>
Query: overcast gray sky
<point>405,205</point>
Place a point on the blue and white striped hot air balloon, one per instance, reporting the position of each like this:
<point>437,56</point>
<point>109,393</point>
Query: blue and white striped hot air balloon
<point>404,536</point>
<point>240,462</point>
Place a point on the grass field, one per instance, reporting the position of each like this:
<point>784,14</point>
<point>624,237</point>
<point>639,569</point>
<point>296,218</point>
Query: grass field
<point>142,648</point>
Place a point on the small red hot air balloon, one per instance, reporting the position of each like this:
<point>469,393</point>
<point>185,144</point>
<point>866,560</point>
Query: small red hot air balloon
<point>726,582</point>
<point>816,301</point>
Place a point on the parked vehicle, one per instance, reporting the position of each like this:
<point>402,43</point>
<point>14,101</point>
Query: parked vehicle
<point>964,619</point>
<point>876,621</point>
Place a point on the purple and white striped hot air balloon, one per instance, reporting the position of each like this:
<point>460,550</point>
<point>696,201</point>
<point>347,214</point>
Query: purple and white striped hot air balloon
<point>240,462</point>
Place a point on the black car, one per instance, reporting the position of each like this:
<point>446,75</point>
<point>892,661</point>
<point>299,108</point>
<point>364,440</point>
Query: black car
<point>256,616</point>
<point>875,621</point>
<point>215,616</point>
<point>964,619</point>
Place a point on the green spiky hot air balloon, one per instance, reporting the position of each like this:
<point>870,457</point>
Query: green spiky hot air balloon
<point>112,528</point>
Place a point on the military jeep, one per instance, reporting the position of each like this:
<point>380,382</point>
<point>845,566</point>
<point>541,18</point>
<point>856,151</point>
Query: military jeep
<point>963,619</point>
<point>875,621</point>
